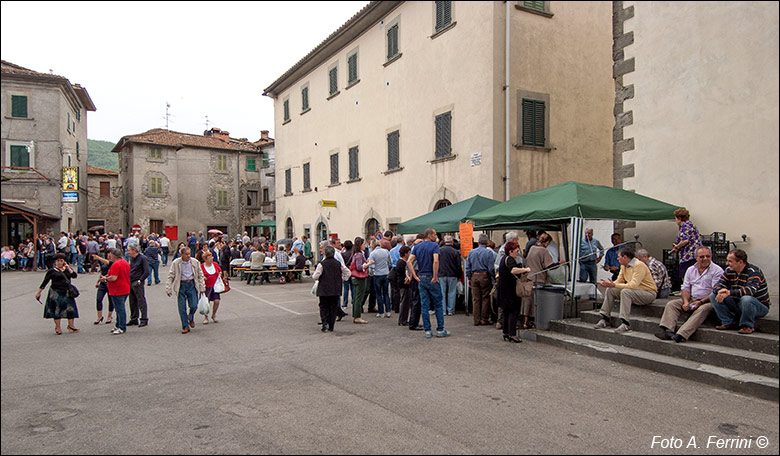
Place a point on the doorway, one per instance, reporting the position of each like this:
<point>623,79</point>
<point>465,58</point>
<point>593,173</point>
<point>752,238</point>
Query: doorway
<point>155,226</point>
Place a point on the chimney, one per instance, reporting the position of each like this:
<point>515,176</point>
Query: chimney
<point>263,134</point>
<point>218,133</point>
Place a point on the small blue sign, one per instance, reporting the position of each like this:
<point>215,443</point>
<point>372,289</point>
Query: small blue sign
<point>70,197</point>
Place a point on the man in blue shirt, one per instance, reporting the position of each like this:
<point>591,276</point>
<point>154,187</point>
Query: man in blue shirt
<point>427,255</point>
<point>611,263</point>
<point>480,272</point>
<point>591,253</point>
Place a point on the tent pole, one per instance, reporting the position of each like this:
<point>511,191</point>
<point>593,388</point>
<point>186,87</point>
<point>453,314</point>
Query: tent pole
<point>576,239</point>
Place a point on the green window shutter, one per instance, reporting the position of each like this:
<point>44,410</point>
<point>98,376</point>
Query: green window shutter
<point>77,150</point>
<point>534,117</point>
<point>443,14</point>
<point>353,163</point>
<point>334,169</point>
<point>392,42</point>
<point>251,164</point>
<point>352,63</point>
<point>286,110</point>
<point>443,135</point>
<point>306,176</point>
<point>539,6</point>
<point>333,74</point>
<point>393,159</point>
<point>18,106</point>
<point>68,122</point>
<point>304,98</point>
<point>155,186</point>
<point>288,182</point>
<point>20,156</point>
<point>265,160</point>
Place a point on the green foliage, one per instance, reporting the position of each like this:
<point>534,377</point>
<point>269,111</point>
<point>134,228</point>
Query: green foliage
<point>99,154</point>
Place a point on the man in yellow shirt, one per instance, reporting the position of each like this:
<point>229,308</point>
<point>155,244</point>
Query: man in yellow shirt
<point>634,285</point>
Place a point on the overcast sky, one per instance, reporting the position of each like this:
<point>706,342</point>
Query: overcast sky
<point>204,58</point>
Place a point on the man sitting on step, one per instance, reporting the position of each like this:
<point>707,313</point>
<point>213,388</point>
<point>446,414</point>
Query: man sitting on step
<point>659,272</point>
<point>634,285</point>
<point>700,280</point>
<point>741,295</point>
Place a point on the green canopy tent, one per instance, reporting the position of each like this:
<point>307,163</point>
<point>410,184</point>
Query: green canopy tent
<point>572,202</point>
<point>266,224</point>
<point>447,219</point>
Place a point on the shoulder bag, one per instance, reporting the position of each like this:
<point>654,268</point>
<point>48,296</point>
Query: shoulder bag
<point>524,287</point>
<point>353,269</point>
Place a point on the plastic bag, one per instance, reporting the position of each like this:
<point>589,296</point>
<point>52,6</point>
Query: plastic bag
<point>219,286</point>
<point>314,287</point>
<point>203,305</point>
<point>459,289</point>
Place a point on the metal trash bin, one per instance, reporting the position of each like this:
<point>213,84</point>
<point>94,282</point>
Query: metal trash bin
<point>548,300</point>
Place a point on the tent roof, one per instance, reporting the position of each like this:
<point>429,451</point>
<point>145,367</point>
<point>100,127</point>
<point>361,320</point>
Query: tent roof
<point>559,203</point>
<point>447,219</point>
<point>269,223</point>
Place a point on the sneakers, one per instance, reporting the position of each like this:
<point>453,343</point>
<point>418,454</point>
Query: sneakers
<point>623,328</point>
<point>444,333</point>
<point>387,315</point>
<point>117,331</point>
<point>601,324</point>
<point>428,334</point>
<point>431,312</point>
<point>379,315</point>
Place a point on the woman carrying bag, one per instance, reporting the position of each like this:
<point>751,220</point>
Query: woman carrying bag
<point>213,274</point>
<point>507,294</point>
<point>61,300</point>
<point>359,278</point>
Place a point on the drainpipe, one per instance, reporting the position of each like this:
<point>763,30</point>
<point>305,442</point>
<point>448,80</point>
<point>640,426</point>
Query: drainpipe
<point>238,192</point>
<point>506,96</point>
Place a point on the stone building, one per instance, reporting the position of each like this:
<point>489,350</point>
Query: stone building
<point>403,109</point>
<point>44,130</point>
<point>105,200</point>
<point>178,182</point>
<point>696,108</point>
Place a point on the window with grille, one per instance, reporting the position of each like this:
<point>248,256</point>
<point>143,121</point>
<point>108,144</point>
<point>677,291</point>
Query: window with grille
<point>19,106</point>
<point>392,41</point>
<point>442,204</point>
<point>286,110</point>
<point>306,176</point>
<point>105,188</point>
<point>393,159</point>
<point>155,153</point>
<point>252,198</point>
<point>156,186</point>
<point>352,68</point>
<point>533,112</point>
<point>251,164</point>
<point>288,182</point>
<point>443,135</point>
<point>289,228</point>
<point>353,163</point>
<point>443,15</point>
<point>20,156</point>
<point>334,169</point>
<point>222,198</point>
<point>333,76</point>
<point>222,163</point>
<point>305,98</point>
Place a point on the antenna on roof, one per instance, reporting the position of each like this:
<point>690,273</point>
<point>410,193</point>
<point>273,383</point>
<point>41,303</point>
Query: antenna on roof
<point>207,123</point>
<point>167,107</point>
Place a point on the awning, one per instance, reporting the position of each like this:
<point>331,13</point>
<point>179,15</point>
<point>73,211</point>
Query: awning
<point>265,223</point>
<point>19,209</point>
<point>447,219</point>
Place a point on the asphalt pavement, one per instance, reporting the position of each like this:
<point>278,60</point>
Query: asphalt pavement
<point>266,380</point>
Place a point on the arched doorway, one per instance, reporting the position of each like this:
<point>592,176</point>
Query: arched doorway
<point>372,226</point>
<point>289,232</point>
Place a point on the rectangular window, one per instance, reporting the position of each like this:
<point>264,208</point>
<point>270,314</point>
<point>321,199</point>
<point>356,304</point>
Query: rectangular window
<point>333,75</point>
<point>533,122</point>
<point>265,160</point>
<point>306,176</point>
<point>286,110</point>
<point>155,186</point>
<point>539,6</point>
<point>443,15</point>
<point>352,67</point>
<point>251,164</point>
<point>252,198</point>
<point>266,198</point>
<point>443,135</point>
<point>288,182</point>
<point>155,153</point>
<point>353,163</point>
<point>68,122</point>
<point>20,156</point>
<point>393,159</point>
<point>105,188</point>
<point>305,98</point>
<point>77,150</point>
<point>392,41</point>
<point>222,163</point>
<point>222,198</point>
<point>334,169</point>
<point>19,106</point>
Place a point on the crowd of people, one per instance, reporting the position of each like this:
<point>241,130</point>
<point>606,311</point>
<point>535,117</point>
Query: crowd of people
<point>415,277</point>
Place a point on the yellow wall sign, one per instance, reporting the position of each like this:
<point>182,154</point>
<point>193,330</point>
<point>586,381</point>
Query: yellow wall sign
<point>70,178</point>
<point>326,203</point>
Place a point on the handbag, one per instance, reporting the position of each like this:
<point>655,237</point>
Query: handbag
<point>524,287</point>
<point>73,292</point>
<point>355,273</point>
<point>226,283</point>
<point>203,305</point>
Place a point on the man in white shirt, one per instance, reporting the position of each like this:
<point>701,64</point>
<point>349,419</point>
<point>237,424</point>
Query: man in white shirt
<point>165,245</point>
<point>111,243</point>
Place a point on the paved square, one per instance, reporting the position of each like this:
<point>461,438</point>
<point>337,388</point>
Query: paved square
<point>266,380</point>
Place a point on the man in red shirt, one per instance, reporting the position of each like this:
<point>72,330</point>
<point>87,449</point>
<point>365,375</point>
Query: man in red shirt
<point>118,281</point>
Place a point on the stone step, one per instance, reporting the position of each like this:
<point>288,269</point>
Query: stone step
<point>656,310</point>
<point>756,342</point>
<point>716,355</point>
<point>734,380</point>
